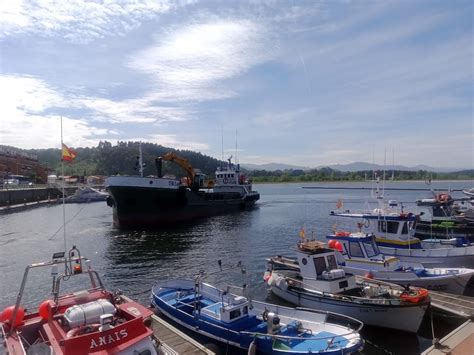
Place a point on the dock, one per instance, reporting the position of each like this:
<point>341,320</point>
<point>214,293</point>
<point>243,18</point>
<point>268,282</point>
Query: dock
<point>455,305</point>
<point>173,341</point>
<point>459,342</point>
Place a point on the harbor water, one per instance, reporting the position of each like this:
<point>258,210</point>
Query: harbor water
<point>132,261</point>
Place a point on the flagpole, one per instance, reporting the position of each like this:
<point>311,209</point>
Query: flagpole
<point>64,200</point>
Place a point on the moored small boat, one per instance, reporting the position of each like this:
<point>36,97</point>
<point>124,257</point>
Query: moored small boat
<point>253,325</point>
<point>361,256</point>
<point>86,194</point>
<point>315,280</point>
<point>445,217</point>
<point>394,231</point>
<point>88,321</point>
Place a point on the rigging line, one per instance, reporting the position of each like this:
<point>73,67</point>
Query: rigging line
<point>61,227</point>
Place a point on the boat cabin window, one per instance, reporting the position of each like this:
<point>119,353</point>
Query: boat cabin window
<point>370,248</point>
<point>405,228</point>
<point>355,249</point>
<point>245,310</point>
<point>235,314</point>
<point>388,227</point>
<point>319,265</point>
<point>332,264</point>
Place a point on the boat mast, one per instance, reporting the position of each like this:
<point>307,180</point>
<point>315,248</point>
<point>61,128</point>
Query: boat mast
<point>64,198</point>
<point>140,159</point>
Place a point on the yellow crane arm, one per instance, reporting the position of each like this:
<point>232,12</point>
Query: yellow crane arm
<point>182,162</point>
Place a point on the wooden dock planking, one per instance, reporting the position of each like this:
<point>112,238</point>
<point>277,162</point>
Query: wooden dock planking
<point>175,339</point>
<point>459,342</point>
<point>462,306</point>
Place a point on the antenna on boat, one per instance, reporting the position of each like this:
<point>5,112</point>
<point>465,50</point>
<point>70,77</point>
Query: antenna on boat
<point>222,143</point>
<point>140,159</point>
<point>384,170</point>
<point>236,159</point>
<point>393,164</point>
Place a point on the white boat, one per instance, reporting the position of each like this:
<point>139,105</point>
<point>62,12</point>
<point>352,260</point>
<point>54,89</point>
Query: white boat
<point>469,192</point>
<point>253,325</point>
<point>315,280</point>
<point>86,194</point>
<point>394,231</point>
<point>361,256</point>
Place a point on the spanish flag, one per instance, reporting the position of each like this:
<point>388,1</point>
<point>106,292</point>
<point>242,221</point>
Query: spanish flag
<point>68,154</point>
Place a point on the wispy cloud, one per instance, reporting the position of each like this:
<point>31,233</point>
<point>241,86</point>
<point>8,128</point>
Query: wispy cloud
<point>191,62</point>
<point>173,140</point>
<point>141,110</point>
<point>78,21</point>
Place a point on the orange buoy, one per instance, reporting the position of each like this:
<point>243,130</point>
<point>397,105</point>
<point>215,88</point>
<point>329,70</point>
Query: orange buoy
<point>7,315</point>
<point>44,309</point>
<point>331,243</point>
<point>338,246</point>
<point>415,297</point>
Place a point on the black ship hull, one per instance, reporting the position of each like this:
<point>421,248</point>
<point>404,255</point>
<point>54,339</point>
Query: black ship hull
<point>157,207</point>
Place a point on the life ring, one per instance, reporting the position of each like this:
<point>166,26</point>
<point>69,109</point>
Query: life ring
<point>367,223</point>
<point>414,296</point>
<point>225,180</point>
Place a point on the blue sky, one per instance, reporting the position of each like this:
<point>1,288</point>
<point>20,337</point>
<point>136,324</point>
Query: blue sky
<point>298,82</point>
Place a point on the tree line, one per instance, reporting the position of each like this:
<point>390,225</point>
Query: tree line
<point>107,159</point>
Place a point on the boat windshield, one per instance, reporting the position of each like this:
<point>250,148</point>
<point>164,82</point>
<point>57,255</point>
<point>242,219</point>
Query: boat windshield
<point>371,248</point>
<point>388,227</point>
<point>355,249</point>
<point>332,264</point>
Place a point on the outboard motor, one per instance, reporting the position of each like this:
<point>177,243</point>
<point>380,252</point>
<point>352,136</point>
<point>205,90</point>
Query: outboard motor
<point>273,323</point>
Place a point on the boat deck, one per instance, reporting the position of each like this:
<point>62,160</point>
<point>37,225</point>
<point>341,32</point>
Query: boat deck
<point>173,340</point>
<point>459,342</point>
<point>462,306</point>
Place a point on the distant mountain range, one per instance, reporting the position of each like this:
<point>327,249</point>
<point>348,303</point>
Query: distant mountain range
<point>357,166</point>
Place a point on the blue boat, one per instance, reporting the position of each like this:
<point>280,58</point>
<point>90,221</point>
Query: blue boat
<point>258,326</point>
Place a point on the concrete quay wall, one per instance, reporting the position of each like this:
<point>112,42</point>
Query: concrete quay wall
<point>10,197</point>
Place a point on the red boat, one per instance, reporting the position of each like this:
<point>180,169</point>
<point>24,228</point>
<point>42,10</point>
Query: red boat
<point>90,321</point>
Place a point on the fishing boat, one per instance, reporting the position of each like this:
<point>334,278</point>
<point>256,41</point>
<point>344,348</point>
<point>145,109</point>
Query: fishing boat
<point>154,201</point>
<point>87,321</point>
<point>445,217</point>
<point>394,231</point>
<point>361,256</point>
<point>469,192</point>
<point>315,280</point>
<point>257,326</point>
<point>86,194</point>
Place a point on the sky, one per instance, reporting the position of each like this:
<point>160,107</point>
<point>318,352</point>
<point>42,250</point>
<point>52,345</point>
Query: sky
<point>305,83</point>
